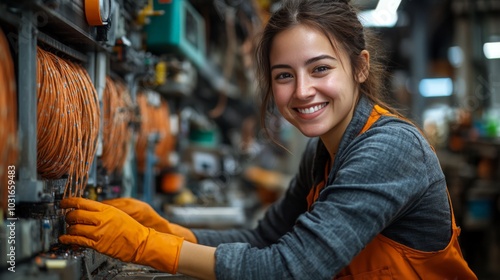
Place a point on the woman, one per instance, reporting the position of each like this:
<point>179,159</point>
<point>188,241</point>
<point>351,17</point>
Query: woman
<point>369,200</point>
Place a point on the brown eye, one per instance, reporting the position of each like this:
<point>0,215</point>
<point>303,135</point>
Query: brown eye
<point>321,69</point>
<point>282,76</point>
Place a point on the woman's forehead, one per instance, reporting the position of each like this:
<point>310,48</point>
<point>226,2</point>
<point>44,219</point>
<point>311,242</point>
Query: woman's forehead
<point>305,39</point>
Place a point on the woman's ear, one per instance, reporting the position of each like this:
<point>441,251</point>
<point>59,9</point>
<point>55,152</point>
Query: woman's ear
<point>364,71</point>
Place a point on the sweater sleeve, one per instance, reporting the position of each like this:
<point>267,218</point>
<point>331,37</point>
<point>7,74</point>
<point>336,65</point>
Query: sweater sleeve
<point>378,176</point>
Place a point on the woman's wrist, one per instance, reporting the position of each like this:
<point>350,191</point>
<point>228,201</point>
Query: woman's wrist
<point>197,261</point>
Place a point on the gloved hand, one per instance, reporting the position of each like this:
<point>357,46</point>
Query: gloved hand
<point>147,216</point>
<point>114,233</point>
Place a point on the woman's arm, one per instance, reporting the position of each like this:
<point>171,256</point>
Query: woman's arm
<point>197,261</point>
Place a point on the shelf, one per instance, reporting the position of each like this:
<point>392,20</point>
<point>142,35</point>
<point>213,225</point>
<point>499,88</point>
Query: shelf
<point>60,47</point>
<point>63,21</point>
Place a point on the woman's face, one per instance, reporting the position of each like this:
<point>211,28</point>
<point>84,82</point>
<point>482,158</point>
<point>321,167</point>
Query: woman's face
<point>312,84</point>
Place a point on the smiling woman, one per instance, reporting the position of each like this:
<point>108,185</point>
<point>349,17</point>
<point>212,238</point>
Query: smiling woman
<point>369,200</point>
<point>312,88</point>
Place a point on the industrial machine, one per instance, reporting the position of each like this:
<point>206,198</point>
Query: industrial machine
<point>95,101</point>
<point>91,51</point>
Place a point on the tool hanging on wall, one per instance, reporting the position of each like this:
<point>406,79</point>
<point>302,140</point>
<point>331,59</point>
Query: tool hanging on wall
<point>117,115</point>
<point>8,118</point>
<point>68,121</point>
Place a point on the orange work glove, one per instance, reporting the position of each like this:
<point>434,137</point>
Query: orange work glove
<point>112,232</point>
<point>147,216</point>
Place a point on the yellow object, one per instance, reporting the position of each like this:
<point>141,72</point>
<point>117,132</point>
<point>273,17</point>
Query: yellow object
<point>56,264</point>
<point>147,216</point>
<point>264,4</point>
<point>161,73</point>
<point>92,194</point>
<point>142,18</point>
<point>185,197</point>
<point>114,233</point>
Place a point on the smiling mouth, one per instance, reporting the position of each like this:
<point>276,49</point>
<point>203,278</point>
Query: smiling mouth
<point>312,109</point>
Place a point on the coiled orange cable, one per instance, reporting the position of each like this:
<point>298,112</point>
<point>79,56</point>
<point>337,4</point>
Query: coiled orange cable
<point>117,114</point>
<point>8,118</point>
<point>68,121</point>
<point>154,118</point>
<point>167,141</point>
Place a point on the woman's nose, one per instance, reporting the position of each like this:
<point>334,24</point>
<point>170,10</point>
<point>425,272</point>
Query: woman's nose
<point>304,89</point>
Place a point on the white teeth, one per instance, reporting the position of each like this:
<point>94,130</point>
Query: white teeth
<point>311,109</point>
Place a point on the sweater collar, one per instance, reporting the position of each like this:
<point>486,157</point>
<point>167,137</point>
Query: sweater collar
<point>359,118</point>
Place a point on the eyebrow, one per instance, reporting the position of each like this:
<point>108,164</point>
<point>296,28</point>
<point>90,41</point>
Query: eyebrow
<point>309,61</point>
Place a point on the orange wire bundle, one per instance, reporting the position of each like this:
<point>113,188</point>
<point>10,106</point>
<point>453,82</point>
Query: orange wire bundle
<point>116,118</point>
<point>68,121</point>
<point>155,118</point>
<point>8,117</point>
<point>167,141</point>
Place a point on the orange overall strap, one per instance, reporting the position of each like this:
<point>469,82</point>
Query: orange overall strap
<point>376,113</point>
<point>384,258</point>
<point>314,192</point>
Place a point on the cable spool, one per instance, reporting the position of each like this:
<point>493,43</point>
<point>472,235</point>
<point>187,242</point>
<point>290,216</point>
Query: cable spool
<point>8,118</point>
<point>97,12</point>
<point>68,121</point>
<point>154,118</point>
<point>117,114</point>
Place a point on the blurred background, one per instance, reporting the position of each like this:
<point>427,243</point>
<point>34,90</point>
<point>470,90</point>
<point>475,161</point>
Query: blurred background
<point>157,100</point>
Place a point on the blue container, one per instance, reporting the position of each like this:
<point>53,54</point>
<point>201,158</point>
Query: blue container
<point>180,30</point>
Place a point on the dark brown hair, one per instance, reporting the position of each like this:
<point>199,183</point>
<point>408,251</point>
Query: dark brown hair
<point>338,20</point>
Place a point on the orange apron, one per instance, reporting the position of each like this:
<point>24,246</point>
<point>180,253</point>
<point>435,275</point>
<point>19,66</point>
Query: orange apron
<point>384,258</point>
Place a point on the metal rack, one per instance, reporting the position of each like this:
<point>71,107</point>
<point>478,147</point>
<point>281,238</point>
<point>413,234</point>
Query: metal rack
<point>30,20</point>
<point>59,27</point>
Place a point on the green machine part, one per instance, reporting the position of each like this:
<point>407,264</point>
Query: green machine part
<point>179,30</point>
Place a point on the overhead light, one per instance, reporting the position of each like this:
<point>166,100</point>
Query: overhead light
<point>492,50</point>
<point>388,5</point>
<point>384,15</point>
<point>435,87</point>
<point>374,18</point>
